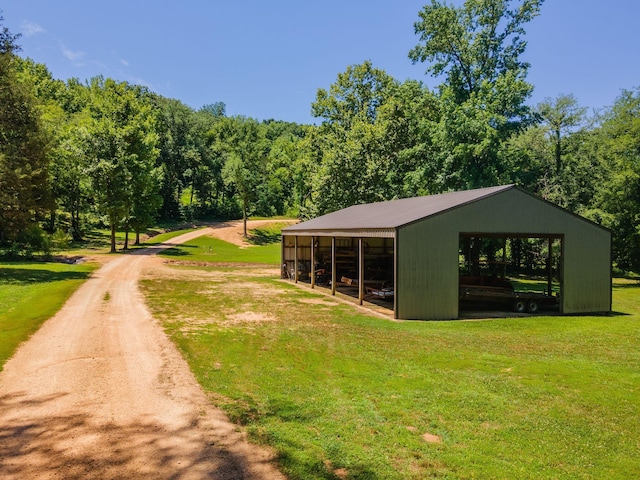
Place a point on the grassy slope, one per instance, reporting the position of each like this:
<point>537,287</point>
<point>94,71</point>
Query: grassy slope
<point>338,393</point>
<point>208,249</point>
<point>30,293</point>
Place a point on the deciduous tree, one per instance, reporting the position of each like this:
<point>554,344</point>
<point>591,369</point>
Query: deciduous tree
<point>242,144</point>
<point>23,149</point>
<point>477,49</point>
<point>620,194</point>
<point>560,115</point>
<point>121,148</point>
<point>371,144</point>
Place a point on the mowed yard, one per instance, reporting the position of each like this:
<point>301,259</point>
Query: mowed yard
<point>339,393</point>
<point>343,394</point>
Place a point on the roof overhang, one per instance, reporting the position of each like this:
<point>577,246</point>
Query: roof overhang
<point>355,233</point>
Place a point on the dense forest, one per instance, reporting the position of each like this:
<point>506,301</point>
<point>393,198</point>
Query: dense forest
<point>77,154</point>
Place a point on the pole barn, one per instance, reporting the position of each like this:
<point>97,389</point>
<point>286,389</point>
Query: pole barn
<point>410,252</point>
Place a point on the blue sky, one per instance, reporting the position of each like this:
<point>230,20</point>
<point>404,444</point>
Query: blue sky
<point>267,59</point>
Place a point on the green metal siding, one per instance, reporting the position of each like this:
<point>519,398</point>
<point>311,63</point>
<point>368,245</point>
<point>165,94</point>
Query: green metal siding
<point>587,271</point>
<point>427,272</point>
<point>427,285</point>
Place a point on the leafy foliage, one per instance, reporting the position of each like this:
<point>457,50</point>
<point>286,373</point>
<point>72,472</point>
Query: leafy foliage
<point>620,195</point>
<point>371,141</point>
<point>24,192</point>
<point>475,44</point>
<point>120,143</point>
<point>74,155</point>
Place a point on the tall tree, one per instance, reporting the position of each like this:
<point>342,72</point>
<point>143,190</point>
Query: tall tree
<point>67,168</point>
<point>620,194</point>
<point>241,142</point>
<point>477,49</point>
<point>349,161</point>
<point>184,153</point>
<point>121,148</point>
<point>23,148</point>
<point>474,44</point>
<point>561,115</point>
<point>372,138</point>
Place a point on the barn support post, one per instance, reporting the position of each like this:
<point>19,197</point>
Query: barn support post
<point>550,266</point>
<point>561,274</point>
<point>504,257</point>
<point>395,274</point>
<point>360,271</point>
<point>283,270</point>
<point>313,262</point>
<point>295,258</point>
<point>333,265</point>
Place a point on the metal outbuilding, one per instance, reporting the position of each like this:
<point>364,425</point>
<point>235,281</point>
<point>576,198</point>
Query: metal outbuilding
<point>415,243</point>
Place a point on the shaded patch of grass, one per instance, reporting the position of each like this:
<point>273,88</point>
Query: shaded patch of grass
<point>96,240</point>
<point>338,393</point>
<point>165,236</point>
<point>99,240</point>
<point>37,273</point>
<point>267,234</point>
<point>30,293</point>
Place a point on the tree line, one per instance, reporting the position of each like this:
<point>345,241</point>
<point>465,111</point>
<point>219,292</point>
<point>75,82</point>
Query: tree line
<point>75,154</point>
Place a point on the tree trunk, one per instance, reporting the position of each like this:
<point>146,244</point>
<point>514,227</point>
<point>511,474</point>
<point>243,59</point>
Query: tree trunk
<point>558,153</point>
<point>244,216</point>
<point>113,237</point>
<point>137,238</point>
<point>126,239</point>
<point>52,220</point>
<point>75,225</point>
<point>193,181</point>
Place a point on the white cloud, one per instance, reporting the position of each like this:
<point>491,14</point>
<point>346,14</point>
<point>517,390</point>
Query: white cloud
<point>124,62</point>
<point>74,57</point>
<point>30,28</point>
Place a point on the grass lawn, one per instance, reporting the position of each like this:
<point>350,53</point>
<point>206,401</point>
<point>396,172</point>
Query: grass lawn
<point>209,249</point>
<point>30,293</point>
<point>341,394</point>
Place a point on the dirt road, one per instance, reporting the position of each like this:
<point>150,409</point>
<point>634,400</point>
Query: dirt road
<point>100,392</point>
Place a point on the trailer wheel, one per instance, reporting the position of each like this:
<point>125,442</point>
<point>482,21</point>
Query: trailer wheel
<point>520,306</point>
<point>533,306</point>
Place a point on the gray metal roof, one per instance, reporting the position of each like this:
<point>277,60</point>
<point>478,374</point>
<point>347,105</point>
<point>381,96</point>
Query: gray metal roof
<point>394,213</point>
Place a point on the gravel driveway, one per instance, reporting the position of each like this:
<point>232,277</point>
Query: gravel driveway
<point>100,392</point>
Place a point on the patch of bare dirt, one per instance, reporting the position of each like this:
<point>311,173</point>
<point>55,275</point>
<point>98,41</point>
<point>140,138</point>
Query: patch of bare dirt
<point>318,301</point>
<point>248,317</point>
<point>100,392</point>
<point>431,438</point>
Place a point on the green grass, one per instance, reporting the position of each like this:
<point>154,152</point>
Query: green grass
<point>164,237</point>
<point>339,394</point>
<point>30,293</point>
<point>208,249</point>
<point>533,285</point>
<point>267,234</point>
